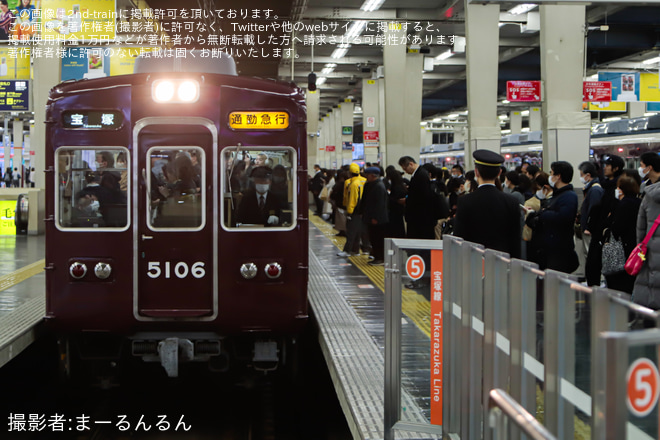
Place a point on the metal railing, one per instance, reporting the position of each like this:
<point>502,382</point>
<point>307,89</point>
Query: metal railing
<point>494,337</point>
<point>502,409</point>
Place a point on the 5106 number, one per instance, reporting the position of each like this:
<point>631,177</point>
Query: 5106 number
<point>179,270</point>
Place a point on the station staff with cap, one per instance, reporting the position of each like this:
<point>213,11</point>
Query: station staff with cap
<point>488,216</point>
<point>259,206</point>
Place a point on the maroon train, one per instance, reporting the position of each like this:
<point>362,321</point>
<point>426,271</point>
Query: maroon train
<point>149,250</point>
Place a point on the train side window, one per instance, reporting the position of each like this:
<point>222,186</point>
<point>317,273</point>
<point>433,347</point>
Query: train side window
<point>259,187</point>
<point>176,188</point>
<point>92,187</point>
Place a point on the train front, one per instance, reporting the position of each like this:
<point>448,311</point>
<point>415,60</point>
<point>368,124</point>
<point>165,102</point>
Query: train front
<point>177,215</point>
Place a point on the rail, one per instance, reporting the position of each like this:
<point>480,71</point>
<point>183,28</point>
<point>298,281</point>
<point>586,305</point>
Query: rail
<point>509,409</point>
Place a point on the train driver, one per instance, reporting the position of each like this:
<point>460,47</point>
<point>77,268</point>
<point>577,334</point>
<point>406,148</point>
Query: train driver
<point>260,206</point>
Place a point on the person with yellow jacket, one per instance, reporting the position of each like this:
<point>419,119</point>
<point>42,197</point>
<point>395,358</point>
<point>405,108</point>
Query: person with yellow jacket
<point>352,195</point>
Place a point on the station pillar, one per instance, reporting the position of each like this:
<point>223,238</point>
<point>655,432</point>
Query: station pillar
<point>346,155</point>
<point>636,109</point>
<point>370,119</point>
<point>403,96</point>
<point>482,49</point>
<point>535,120</point>
<point>17,134</point>
<point>566,128</point>
<point>322,142</point>
<point>515,121</point>
<point>47,74</point>
<point>312,99</point>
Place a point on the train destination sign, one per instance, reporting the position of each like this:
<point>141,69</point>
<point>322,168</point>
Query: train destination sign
<point>14,95</point>
<point>523,91</point>
<point>259,120</point>
<point>596,91</point>
<point>92,119</point>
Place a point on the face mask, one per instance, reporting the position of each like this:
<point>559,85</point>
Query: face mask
<point>467,187</point>
<point>617,193</point>
<point>583,180</point>
<point>262,187</point>
<point>641,172</point>
<point>551,182</point>
<point>540,194</point>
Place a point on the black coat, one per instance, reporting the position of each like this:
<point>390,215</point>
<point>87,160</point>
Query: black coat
<point>374,203</point>
<point>553,232</point>
<point>419,217</point>
<point>491,218</point>
<point>249,212</point>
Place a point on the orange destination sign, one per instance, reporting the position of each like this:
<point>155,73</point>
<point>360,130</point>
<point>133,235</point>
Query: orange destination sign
<point>259,120</point>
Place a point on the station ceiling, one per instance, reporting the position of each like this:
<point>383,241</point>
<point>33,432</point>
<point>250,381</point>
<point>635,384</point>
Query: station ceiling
<point>618,35</point>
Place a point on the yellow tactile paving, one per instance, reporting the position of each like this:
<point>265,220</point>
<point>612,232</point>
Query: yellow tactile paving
<point>413,305</point>
<point>22,274</point>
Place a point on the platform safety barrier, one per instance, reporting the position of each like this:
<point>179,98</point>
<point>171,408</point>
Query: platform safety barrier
<point>505,412</point>
<point>495,335</point>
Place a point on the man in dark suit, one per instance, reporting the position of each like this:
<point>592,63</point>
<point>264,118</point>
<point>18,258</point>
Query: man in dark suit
<point>419,218</point>
<point>259,206</point>
<point>488,216</point>
<point>316,185</point>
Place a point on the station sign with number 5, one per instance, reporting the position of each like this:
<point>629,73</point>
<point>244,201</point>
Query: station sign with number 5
<point>643,386</point>
<point>415,267</point>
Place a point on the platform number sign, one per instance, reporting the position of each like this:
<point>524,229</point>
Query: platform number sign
<point>643,387</point>
<point>415,267</point>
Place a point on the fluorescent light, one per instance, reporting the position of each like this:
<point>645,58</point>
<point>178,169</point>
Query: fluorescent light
<point>505,102</point>
<point>524,113</point>
<point>507,131</point>
<point>341,50</point>
<point>650,114</point>
<point>593,77</point>
<point>615,118</point>
<point>503,117</point>
<point>372,5</point>
<point>355,29</point>
<point>524,129</point>
<point>444,55</point>
<point>500,24</point>
<point>452,116</point>
<point>437,119</point>
<point>422,123</point>
<point>522,9</point>
<point>329,68</point>
<point>320,80</point>
<point>653,60</point>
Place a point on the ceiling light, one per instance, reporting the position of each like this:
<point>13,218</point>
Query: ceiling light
<point>437,119</point>
<point>444,55</point>
<point>355,29</point>
<point>505,102</point>
<point>650,114</point>
<point>503,117</point>
<point>341,50</point>
<point>452,116</point>
<point>320,80</point>
<point>615,118</point>
<point>371,5</point>
<point>653,60</point>
<point>524,129</point>
<point>524,113</point>
<point>522,9</point>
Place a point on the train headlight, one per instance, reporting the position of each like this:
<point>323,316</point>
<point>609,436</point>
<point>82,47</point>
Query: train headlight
<point>163,91</point>
<point>77,270</point>
<point>172,91</point>
<point>249,270</point>
<point>188,91</point>
<point>273,270</point>
<point>102,270</point>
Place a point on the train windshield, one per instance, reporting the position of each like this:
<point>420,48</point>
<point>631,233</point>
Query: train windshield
<point>92,186</point>
<point>259,187</point>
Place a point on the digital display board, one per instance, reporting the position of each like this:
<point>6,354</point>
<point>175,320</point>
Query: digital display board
<point>259,120</point>
<point>93,119</point>
<point>14,95</point>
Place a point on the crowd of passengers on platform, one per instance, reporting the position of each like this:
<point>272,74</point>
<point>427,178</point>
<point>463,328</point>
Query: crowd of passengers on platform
<point>528,212</point>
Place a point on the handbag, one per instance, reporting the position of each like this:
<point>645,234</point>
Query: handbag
<point>638,255</point>
<point>613,256</point>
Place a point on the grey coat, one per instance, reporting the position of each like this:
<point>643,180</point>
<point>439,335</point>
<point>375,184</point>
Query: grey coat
<point>647,285</point>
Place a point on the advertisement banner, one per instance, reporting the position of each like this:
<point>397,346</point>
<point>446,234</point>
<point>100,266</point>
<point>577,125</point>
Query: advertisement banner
<point>625,85</point>
<point>596,91</point>
<point>14,95</point>
<point>14,64</point>
<point>607,106</point>
<point>523,91</point>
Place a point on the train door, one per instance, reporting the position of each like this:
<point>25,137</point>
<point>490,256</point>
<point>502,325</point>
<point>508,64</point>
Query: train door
<point>175,234</point>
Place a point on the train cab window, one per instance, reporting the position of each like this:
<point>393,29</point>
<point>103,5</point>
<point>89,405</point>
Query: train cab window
<point>176,188</point>
<point>92,187</point>
<point>259,188</point>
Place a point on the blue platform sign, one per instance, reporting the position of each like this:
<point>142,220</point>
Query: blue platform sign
<point>14,95</point>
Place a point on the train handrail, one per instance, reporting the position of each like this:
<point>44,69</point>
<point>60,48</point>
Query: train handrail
<point>518,415</point>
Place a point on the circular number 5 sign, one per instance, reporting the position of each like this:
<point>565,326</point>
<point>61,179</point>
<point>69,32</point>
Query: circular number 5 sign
<point>415,267</point>
<point>643,387</point>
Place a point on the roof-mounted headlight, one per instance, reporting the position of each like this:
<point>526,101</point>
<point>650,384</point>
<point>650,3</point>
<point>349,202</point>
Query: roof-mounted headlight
<point>172,91</point>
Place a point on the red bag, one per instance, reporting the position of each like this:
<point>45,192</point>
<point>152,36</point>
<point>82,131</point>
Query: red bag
<point>638,255</point>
